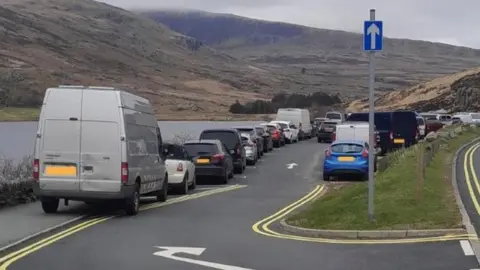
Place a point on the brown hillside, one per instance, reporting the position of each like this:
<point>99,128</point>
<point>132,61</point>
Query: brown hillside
<point>50,42</point>
<point>460,91</point>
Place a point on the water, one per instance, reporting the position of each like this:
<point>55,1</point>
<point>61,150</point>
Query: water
<point>17,138</point>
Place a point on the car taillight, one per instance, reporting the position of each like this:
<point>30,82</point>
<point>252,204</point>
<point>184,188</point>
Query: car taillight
<point>124,172</point>
<point>328,152</point>
<point>36,169</point>
<point>217,158</point>
<point>334,136</point>
<point>365,153</point>
<point>180,167</point>
<point>239,150</point>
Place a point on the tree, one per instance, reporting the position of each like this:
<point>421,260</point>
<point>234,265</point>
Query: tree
<point>236,107</point>
<point>304,70</point>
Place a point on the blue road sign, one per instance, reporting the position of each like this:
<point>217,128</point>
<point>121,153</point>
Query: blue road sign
<point>373,35</point>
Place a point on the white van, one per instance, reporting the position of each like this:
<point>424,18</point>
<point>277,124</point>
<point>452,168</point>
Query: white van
<point>97,143</point>
<point>299,117</point>
<point>356,131</point>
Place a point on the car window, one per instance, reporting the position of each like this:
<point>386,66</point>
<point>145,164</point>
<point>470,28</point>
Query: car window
<point>174,151</point>
<point>224,149</point>
<point>347,148</point>
<point>420,121</point>
<point>335,116</point>
<point>230,139</point>
<point>200,149</point>
<point>282,125</point>
<point>271,128</point>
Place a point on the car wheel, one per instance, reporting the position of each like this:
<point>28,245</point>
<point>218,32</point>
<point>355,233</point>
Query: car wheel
<point>230,175</point>
<point>163,193</point>
<point>183,188</point>
<point>50,205</point>
<point>194,183</point>
<point>326,177</point>
<point>132,204</point>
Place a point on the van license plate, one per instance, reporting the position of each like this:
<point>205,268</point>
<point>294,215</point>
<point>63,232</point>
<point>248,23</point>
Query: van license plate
<point>203,161</point>
<point>346,159</point>
<point>398,140</point>
<point>55,170</point>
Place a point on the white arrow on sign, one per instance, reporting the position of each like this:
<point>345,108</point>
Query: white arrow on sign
<point>291,165</point>
<point>169,252</point>
<point>373,31</point>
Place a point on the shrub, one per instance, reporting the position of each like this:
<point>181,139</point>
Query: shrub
<point>16,182</point>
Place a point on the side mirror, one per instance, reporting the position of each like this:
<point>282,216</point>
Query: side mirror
<point>233,151</point>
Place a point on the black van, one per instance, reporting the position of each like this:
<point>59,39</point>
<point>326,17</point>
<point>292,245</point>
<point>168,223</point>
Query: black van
<point>395,128</point>
<point>233,141</point>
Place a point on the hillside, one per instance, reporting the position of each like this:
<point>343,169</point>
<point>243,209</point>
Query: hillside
<point>457,92</point>
<point>50,42</point>
<point>333,60</point>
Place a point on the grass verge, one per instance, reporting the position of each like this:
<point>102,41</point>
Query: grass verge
<point>397,204</point>
<point>19,114</point>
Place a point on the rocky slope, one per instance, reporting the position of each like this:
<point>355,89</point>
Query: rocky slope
<point>45,43</point>
<point>457,92</point>
<point>321,59</point>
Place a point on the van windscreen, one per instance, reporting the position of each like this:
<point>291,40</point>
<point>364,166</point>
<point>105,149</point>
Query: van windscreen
<point>200,149</point>
<point>336,116</point>
<point>229,138</point>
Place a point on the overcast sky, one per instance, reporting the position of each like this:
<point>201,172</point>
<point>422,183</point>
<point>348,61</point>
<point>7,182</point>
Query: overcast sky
<point>455,22</point>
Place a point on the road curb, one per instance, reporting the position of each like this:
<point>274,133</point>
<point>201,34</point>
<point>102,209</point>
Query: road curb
<point>48,230</point>
<point>465,218</point>
<point>358,234</point>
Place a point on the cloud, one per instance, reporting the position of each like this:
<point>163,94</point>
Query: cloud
<point>451,21</point>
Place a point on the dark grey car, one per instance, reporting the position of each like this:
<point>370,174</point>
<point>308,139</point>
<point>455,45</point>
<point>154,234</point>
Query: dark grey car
<point>325,132</point>
<point>267,138</point>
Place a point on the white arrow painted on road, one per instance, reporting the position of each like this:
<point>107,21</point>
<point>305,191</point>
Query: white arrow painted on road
<point>291,165</point>
<point>373,31</point>
<point>169,253</point>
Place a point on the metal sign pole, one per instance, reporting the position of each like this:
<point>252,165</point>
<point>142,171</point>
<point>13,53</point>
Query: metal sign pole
<point>371,122</point>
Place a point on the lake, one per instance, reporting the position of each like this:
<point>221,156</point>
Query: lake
<point>18,137</point>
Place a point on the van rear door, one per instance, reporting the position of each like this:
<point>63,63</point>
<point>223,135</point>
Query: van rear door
<point>100,142</point>
<point>345,132</point>
<point>59,140</point>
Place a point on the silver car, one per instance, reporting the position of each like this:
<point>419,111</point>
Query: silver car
<point>250,148</point>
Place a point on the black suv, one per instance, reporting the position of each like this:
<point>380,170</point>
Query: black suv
<point>232,140</point>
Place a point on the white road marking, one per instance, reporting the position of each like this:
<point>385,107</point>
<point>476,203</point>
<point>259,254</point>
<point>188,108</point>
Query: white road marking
<point>205,188</point>
<point>291,165</point>
<point>467,248</point>
<point>169,253</point>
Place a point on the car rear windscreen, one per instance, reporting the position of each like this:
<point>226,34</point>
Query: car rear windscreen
<point>174,151</point>
<point>333,116</point>
<point>229,138</point>
<point>347,148</point>
<point>271,128</point>
<point>260,131</point>
<point>200,149</point>
<point>420,121</point>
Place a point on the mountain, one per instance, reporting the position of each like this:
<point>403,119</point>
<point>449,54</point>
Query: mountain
<point>321,59</point>
<point>45,43</point>
<point>456,92</point>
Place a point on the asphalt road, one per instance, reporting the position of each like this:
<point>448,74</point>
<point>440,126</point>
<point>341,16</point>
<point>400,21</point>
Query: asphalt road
<point>222,224</point>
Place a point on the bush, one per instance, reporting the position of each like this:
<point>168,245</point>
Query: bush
<point>284,100</point>
<point>16,182</point>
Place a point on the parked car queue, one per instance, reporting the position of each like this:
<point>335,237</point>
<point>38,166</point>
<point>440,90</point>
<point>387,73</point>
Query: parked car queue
<point>220,153</point>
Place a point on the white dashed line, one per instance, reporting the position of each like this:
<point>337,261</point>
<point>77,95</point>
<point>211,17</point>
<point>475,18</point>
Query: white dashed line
<point>467,248</point>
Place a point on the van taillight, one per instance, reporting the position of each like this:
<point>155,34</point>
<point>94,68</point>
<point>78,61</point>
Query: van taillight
<point>36,169</point>
<point>124,172</point>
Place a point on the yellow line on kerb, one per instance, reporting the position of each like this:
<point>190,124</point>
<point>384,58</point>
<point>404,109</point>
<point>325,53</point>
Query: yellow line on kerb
<point>19,254</point>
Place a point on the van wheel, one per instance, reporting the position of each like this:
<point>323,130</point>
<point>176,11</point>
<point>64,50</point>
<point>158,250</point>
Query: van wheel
<point>132,204</point>
<point>50,205</point>
<point>194,183</point>
<point>163,193</point>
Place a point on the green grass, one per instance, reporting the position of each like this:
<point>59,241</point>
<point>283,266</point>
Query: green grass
<point>19,114</point>
<point>397,205</point>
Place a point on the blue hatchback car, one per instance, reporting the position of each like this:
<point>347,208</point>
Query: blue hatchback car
<point>346,157</point>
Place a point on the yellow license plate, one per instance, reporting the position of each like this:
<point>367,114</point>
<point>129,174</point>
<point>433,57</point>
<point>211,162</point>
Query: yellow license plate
<point>55,170</point>
<point>346,159</point>
<point>398,140</point>
<point>203,160</point>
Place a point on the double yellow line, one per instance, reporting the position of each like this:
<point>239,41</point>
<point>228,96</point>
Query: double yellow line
<point>471,175</point>
<point>262,227</point>
<point>15,256</point>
